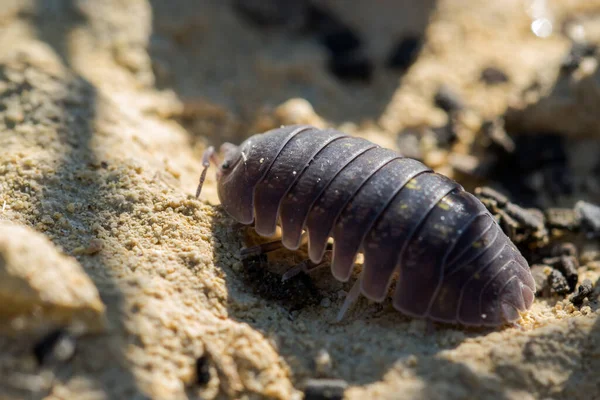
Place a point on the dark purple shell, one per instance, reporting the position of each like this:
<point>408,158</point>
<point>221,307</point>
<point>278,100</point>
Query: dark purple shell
<point>453,262</point>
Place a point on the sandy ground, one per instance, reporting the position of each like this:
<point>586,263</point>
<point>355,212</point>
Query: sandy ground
<point>105,108</point>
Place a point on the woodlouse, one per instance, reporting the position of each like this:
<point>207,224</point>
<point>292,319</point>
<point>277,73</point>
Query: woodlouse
<point>452,261</point>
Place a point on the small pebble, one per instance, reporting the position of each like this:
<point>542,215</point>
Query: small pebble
<point>59,346</point>
<point>489,193</point>
<point>446,135</point>
<point>324,389</point>
<point>562,218</point>
<point>325,302</point>
<point>583,291</point>
<point>323,363</point>
<point>448,100</point>
<point>565,249</point>
<point>540,276</point>
<point>558,282</point>
<point>590,216</point>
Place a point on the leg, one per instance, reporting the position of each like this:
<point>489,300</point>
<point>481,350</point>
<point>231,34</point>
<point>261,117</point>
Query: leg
<point>267,247</point>
<point>306,266</point>
<point>261,249</point>
<point>207,157</point>
<point>351,298</point>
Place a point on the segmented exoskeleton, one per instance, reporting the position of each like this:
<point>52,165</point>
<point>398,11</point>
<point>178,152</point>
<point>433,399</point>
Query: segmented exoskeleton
<point>452,261</point>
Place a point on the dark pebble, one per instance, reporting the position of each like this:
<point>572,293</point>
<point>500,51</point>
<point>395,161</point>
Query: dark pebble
<point>352,66</point>
<point>404,53</point>
<point>542,285</point>
<point>58,345</point>
<point>493,76</point>
<point>558,283</point>
<point>202,370</point>
<point>590,217</point>
<point>562,218</point>
<point>528,219</point>
<point>487,192</point>
<point>324,389</point>
<point>448,100</point>
<point>567,266</point>
<point>446,135</point>
<point>565,249</point>
<point>583,291</point>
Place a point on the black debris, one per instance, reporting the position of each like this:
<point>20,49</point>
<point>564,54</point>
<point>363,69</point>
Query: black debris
<point>57,346</point>
<point>202,370</point>
<point>525,227</point>
<point>567,265</point>
<point>445,135</point>
<point>542,285</point>
<point>404,53</point>
<point>565,249</point>
<point>576,54</point>
<point>324,389</point>
<point>590,217</point>
<point>562,218</point>
<point>493,76</point>
<point>583,291</point>
<point>487,192</point>
<point>448,100</point>
<point>558,283</point>
<point>531,219</point>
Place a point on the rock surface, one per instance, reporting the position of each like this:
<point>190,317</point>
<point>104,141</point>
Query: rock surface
<point>105,108</point>
<point>37,281</point>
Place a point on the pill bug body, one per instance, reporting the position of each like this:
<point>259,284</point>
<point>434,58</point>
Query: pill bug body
<point>452,261</point>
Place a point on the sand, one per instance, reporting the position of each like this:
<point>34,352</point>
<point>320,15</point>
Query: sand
<point>105,109</point>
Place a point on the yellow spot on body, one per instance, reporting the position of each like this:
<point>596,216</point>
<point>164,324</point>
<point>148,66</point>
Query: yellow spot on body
<point>412,185</point>
<point>443,206</point>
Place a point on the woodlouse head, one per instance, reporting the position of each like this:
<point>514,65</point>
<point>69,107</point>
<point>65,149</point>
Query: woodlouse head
<point>231,157</point>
